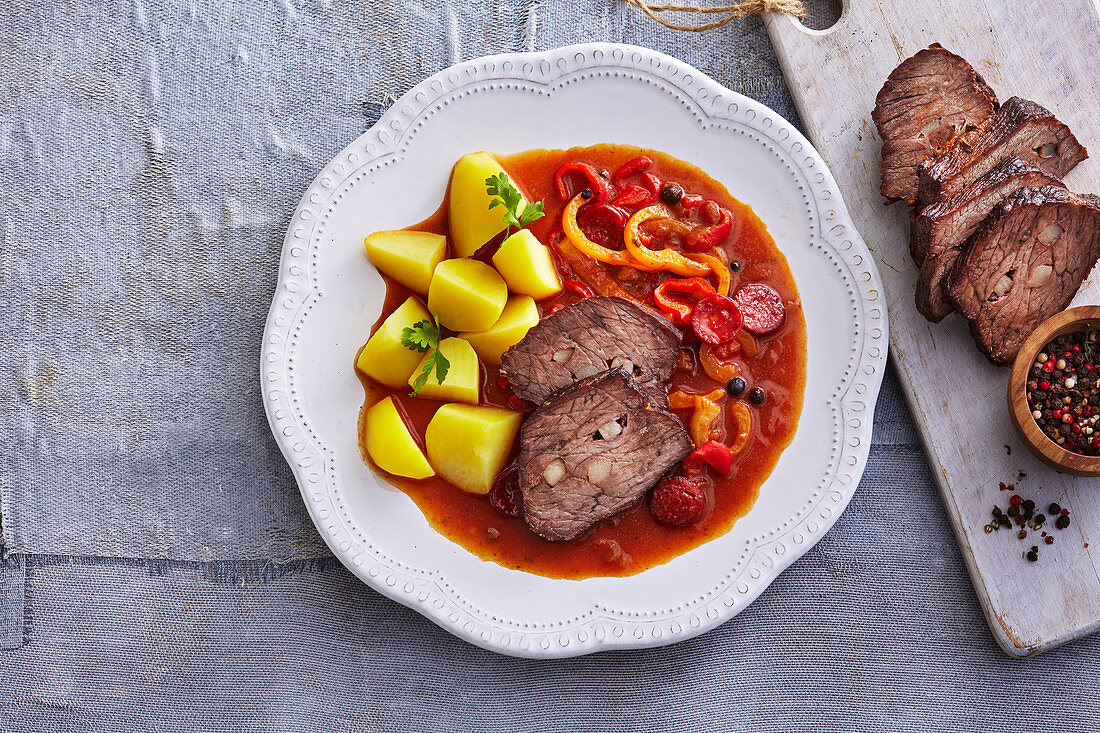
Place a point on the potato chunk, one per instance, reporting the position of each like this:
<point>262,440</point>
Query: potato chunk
<point>463,380</point>
<point>408,257</point>
<point>466,295</point>
<point>473,223</point>
<point>384,359</point>
<point>469,445</point>
<point>391,444</point>
<point>518,316</point>
<point>526,266</point>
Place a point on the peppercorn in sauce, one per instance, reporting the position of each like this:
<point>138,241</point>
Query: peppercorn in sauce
<point>739,395</point>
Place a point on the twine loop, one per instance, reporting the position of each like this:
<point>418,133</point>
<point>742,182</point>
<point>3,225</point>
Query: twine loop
<point>732,12</point>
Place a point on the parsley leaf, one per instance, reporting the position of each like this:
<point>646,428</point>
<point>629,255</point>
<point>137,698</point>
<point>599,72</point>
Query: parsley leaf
<point>508,196</point>
<point>420,337</point>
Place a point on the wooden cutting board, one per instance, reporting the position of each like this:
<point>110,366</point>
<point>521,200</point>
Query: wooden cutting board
<point>1045,51</point>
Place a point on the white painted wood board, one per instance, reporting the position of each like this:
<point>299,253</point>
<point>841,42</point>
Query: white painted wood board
<point>1045,51</point>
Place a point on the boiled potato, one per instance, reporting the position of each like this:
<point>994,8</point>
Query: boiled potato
<point>391,445</point>
<point>526,266</point>
<point>518,316</point>
<point>466,295</point>
<point>473,223</point>
<point>469,445</point>
<point>463,380</point>
<point>384,359</point>
<point>407,257</point>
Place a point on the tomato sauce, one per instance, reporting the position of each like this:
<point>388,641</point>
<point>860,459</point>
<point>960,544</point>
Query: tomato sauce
<point>632,541</point>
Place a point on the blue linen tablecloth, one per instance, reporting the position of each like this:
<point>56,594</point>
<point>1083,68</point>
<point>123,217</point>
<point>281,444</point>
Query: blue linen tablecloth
<point>159,570</point>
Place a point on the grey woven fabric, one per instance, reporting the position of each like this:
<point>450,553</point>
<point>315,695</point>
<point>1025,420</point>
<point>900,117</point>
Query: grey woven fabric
<point>159,570</point>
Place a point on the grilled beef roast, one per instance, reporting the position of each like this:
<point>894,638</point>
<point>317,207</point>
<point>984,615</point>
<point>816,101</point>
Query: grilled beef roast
<point>927,101</point>
<point>1025,264</point>
<point>591,451</point>
<point>941,230</point>
<point>589,337</point>
<point>1020,128</point>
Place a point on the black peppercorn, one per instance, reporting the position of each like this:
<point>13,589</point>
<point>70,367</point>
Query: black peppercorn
<point>736,387</point>
<point>757,395</point>
<point>1033,553</point>
<point>1061,522</point>
<point>1029,505</point>
<point>1054,509</point>
<point>1039,519</point>
<point>586,194</point>
<point>1013,510</point>
<point>671,193</point>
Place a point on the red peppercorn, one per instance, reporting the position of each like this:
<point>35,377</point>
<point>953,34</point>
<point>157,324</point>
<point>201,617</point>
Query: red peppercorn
<point>1077,429</point>
<point>1044,385</point>
<point>1057,414</point>
<point>1075,348</point>
<point>1048,366</point>
<point>1096,442</point>
<point>1065,512</point>
<point>1016,500</point>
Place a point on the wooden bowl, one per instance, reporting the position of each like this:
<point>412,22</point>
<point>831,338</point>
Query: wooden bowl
<point>1045,449</point>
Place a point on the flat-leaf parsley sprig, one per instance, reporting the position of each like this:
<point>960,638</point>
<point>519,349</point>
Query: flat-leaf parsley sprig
<point>424,336</point>
<point>508,196</point>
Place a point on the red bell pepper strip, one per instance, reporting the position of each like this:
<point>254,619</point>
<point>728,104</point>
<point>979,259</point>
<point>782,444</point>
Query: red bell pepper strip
<point>691,201</point>
<point>631,167</point>
<point>594,182</point>
<point>576,286</point>
<point>701,239</point>
<point>634,195</point>
<point>673,296</point>
<point>652,183</point>
<point>717,455</point>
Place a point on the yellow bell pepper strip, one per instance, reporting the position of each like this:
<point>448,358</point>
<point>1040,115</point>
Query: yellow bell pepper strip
<point>587,269</point>
<point>584,244</point>
<point>665,259</point>
<point>748,343</point>
<point>720,269</point>
<point>681,400</point>
<point>715,361</point>
<point>706,411</point>
<point>740,412</point>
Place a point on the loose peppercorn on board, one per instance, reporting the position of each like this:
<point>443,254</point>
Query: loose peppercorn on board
<point>963,419</point>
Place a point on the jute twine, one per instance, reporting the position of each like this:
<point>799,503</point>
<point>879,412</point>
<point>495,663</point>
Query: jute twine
<point>731,12</point>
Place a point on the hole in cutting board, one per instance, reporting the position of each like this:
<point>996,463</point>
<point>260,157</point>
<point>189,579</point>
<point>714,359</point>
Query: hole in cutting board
<point>822,14</point>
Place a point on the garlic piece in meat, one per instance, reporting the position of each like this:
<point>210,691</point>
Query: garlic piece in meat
<point>1003,286</point>
<point>610,429</point>
<point>554,471</point>
<point>1051,232</point>
<point>1039,276</point>
<point>562,356</point>
<point>626,364</point>
<point>599,470</point>
<point>1048,150</point>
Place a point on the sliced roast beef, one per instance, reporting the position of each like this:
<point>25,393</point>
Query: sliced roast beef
<point>1020,128</point>
<point>589,337</point>
<point>927,101</point>
<point>591,451</point>
<point>1025,264</point>
<point>941,230</point>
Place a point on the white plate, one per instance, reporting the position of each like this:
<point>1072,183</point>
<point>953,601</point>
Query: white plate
<point>329,295</point>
